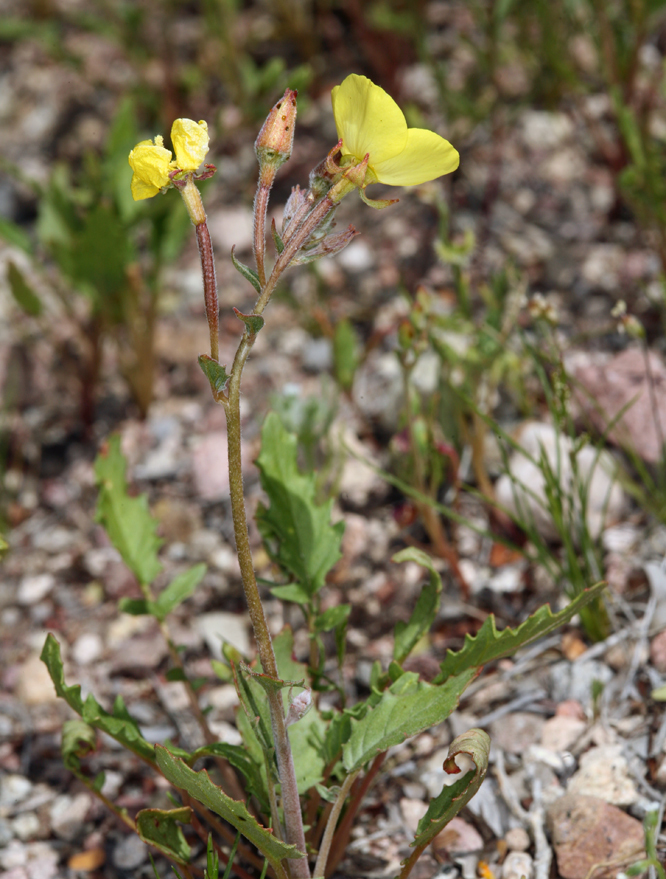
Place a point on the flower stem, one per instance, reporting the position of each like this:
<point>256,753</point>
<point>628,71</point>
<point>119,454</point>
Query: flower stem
<point>260,209</point>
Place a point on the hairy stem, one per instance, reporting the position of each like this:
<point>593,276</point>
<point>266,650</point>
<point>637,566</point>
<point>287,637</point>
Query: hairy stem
<point>260,209</point>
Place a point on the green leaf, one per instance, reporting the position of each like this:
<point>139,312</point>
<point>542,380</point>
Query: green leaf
<point>408,707</point>
<point>489,644</point>
<point>199,786</point>
<point>296,530</point>
<point>407,635</point>
<point>120,725</point>
<point>332,618</point>
<point>475,744</point>
<point>180,588</point>
<point>135,607</point>
<point>345,354</point>
<point>246,271</point>
<point>214,372</point>
<point>240,759</point>
<point>22,292</point>
<point>14,235</point>
<point>127,520</point>
<point>78,740</point>
<point>159,827</point>
<point>212,860</point>
<point>291,592</point>
<point>253,322</point>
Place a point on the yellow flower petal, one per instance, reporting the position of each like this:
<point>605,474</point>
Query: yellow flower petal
<point>190,141</point>
<point>368,120</point>
<point>426,156</point>
<point>150,163</point>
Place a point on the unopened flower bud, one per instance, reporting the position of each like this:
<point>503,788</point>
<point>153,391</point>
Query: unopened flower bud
<point>299,707</point>
<point>274,143</point>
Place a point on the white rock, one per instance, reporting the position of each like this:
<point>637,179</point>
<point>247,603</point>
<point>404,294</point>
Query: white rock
<point>604,773</point>
<point>13,789</point>
<point>223,698</point>
<point>34,685</point>
<point>543,130</point>
<point>357,257</point>
<point>26,826</point>
<point>560,733</point>
<point>412,812</point>
<point>523,489</point>
<point>517,839</point>
<point>219,626</point>
<point>87,648</point>
<point>517,865</point>
<point>68,814</point>
<point>33,589</point>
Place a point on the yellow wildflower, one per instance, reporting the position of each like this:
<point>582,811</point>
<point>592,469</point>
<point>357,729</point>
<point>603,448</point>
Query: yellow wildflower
<point>152,163</point>
<point>369,122</point>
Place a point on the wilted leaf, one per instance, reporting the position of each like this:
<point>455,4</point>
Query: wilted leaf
<point>159,827</point>
<point>476,745</point>
<point>78,740</point>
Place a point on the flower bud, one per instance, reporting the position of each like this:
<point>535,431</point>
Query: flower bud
<point>274,143</point>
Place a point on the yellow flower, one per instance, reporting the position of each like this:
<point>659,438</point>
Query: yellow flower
<point>369,122</point>
<point>152,163</point>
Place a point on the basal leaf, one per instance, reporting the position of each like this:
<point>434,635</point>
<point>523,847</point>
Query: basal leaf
<point>180,588</point>
<point>475,745</point>
<point>407,635</point>
<point>127,520</point>
<point>160,827</point>
<point>408,707</point>
<point>297,531</point>
<point>489,644</point>
<point>120,725</point>
<point>199,786</point>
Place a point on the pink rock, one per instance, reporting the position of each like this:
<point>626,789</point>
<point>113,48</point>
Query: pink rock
<point>586,832</point>
<point>458,837</point>
<point>570,708</point>
<point>559,733</point>
<point>658,652</point>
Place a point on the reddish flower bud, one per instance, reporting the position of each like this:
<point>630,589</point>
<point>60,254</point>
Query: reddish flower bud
<point>274,142</point>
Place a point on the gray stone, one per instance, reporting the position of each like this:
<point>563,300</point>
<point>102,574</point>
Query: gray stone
<point>68,815</point>
<point>129,853</point>
<point>575,681</point>
<point>6,833</point>
<point>317,355</point>
<point>220,626</point>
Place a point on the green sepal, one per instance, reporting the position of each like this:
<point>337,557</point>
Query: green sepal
<point>475,744</point>
<point>377,203</point>
<point>159,827</point>
<point>253,322</point>
<point>248,273</point>
<point>200,786</point>
<point>277,241</point>
<point>214,372</point>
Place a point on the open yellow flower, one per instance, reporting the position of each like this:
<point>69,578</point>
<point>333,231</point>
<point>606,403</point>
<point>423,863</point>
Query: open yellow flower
<point>152,163</point>
<point>369,122</point>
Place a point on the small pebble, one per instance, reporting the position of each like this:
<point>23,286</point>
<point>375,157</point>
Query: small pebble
<point>33,589</point>
<point>68,815</point>
<point>87,648</point>
<point>517,865</point>
<point>129,853</point>
<point>14,789</point>
<point>517,839</point>
<point>26,826</point>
